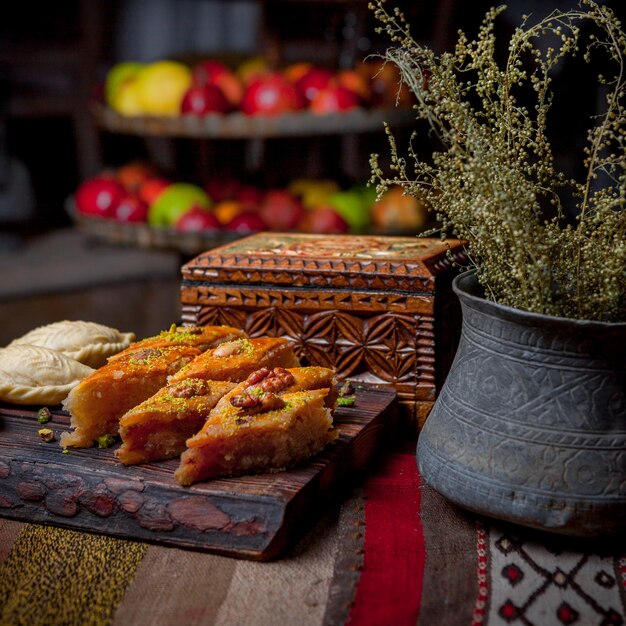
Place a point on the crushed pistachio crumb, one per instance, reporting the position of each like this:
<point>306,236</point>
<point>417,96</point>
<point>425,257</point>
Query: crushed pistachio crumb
<point>44,415</point>
<point>346,389</point>
<point>46,434</point>
<point>105,441</point>
<point>346,401</point>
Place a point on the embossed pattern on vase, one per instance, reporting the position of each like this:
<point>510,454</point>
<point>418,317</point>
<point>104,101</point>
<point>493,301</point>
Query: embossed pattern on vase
<point>530,425</point>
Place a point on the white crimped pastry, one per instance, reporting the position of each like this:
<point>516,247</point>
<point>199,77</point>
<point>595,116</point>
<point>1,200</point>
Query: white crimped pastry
<point>87,342</point>
<point>35,375</point>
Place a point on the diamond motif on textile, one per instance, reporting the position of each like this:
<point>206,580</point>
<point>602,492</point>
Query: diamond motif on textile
<point>513,574</point>
<point>605,580</point>
<point>504,544</point>
<point>566,614</point>
<point>508,612</point>
<point>536,584</point>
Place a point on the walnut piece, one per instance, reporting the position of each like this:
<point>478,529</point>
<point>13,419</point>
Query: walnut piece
<point>228,349</point>
<point>254,403</point>
<point>278,380</point>
<point>189,388</point>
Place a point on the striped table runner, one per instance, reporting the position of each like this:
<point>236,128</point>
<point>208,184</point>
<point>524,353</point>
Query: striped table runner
<point>396,553</point>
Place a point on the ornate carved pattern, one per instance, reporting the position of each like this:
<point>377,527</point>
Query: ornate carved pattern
<point>386,348</point>
<point>364,305</point>
<point>232,295</point>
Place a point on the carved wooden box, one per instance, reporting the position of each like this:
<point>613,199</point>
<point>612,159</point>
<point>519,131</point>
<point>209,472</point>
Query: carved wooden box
<point>378,309</point>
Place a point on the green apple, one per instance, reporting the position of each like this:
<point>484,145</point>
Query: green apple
<point>175,200</point>
<point>367,192</point>
<point>117,76</point>
<point>353,206</point>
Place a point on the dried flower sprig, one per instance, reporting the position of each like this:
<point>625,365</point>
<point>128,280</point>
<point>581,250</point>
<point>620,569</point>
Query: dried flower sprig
<point>494,183</point>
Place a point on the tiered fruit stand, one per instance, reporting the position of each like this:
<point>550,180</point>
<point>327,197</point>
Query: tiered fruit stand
<point>220,127</point>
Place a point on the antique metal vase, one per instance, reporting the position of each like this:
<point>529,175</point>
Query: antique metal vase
<point>530,425</point>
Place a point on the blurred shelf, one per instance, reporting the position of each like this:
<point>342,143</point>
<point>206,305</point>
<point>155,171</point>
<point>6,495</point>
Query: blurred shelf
<point>240,126</point>
<point>144,236</point>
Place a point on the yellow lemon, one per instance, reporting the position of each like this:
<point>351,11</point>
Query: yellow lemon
<point>313,193</point>
<point>318,196</point>
<point>125,99</point>
<point>161,87</point>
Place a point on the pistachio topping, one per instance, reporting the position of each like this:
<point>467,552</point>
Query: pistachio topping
<point>105,441</point>
<point>346,401</point>
<point>46,434</point>
<point>44,415</point>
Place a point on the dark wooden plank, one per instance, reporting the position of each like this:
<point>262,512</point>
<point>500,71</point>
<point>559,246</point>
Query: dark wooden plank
<point>254,517</point>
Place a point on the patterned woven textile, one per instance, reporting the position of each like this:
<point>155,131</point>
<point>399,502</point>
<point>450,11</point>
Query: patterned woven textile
<point>394,553</point>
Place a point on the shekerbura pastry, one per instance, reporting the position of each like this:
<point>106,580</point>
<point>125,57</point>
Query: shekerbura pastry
<point>87,342</point>
<point>35,375</point>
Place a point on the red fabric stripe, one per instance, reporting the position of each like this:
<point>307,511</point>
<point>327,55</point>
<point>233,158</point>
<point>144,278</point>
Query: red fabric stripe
<point>390,587</point>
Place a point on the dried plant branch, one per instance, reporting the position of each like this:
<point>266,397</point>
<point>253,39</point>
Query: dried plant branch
<point>494,174</point>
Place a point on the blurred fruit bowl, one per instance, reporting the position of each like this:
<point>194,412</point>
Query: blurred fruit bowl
<point>208,97</point>
<point>141,235</point>
<point>136,204</point>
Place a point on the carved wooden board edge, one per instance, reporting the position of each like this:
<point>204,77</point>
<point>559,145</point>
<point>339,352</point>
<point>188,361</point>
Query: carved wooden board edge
<point>251,517</point>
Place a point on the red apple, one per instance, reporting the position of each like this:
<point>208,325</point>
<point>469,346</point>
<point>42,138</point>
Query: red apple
<point>270,94</point>
<point>246,222</point>
<point>206,71</point>
<point>313,81</point>
<point>231,86</point>
<point>352,80</point>
<point>281,210</point>
<point>334,99</point>
<point>325,221</point>
<point>203,100</point>
<point>98,196</point>
<point>222,189</point>
<point>130,208</point>
<point>212,72</point>
<point>197,219</point>
<point>250,195</point>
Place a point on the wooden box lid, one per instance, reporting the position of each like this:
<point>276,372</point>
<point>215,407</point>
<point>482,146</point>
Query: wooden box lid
<point>328,261</point>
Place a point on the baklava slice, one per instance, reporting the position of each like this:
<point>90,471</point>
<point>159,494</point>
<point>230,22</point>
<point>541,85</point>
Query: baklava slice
<point>236,360</point>
<point>98,401</point>
<point>158,428</point>
<point>200,337</point>
<point>279,432</point>
<point>134,375</point>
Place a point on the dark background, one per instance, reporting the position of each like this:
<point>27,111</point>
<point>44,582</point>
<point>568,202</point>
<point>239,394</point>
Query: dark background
<point>54,55</point>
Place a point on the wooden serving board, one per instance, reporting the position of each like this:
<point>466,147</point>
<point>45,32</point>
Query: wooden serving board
<point>254,517</point>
